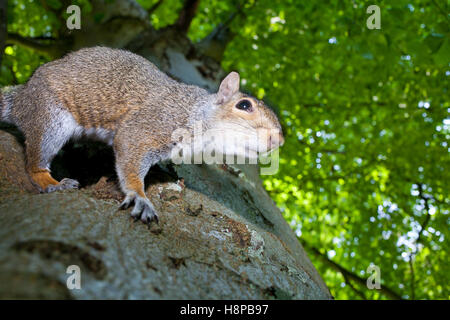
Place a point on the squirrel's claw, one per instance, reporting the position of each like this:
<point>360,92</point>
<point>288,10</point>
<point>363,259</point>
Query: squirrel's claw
<point>150,219</point>
<point>143,210</point>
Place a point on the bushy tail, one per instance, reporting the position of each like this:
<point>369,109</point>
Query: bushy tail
<point>6,102</point>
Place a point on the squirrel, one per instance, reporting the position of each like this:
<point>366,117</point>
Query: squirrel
<point>124,100</point>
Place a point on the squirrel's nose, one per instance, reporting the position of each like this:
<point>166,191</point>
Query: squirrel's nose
<point>276,140</point>
<point>281,139</point>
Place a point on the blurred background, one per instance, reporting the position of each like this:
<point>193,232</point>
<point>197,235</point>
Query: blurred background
<point>364,172</point>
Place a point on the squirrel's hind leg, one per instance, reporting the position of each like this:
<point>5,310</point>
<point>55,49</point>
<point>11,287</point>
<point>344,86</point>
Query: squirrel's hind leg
<point>42,142</point>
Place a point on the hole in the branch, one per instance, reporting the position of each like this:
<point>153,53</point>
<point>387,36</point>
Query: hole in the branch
<point>86,161</point>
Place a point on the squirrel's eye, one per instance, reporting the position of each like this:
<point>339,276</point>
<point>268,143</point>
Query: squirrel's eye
<point>244,105</point>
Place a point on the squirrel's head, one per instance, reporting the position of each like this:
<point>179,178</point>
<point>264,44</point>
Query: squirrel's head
<point>247,122</point>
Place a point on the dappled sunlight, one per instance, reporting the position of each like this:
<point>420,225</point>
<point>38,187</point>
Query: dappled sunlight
<point>364,171</point>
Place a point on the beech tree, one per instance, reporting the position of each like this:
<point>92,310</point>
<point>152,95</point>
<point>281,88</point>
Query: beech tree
<point>364,170</point>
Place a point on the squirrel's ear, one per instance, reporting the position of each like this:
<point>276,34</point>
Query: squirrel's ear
<point>228,87</point>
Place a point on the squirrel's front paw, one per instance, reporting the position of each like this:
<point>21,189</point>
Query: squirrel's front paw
<point>64,184</point>
<point>143,208</point>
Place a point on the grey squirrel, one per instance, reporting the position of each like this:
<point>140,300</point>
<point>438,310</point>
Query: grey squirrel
<point>125,100</point>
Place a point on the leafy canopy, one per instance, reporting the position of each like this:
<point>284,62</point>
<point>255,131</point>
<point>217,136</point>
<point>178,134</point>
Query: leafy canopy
<point>364,171</point>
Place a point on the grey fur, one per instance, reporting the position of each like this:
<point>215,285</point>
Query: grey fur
<point>124,100</point>
<point>6,102</point>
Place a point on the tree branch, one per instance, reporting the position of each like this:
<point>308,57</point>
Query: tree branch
<point>358,292</point>
<point>154,7</point>
<point>215,43</point>
<point>413,278</point>
<point>48,46</point>
<point>346,273</point>
<point>186,15</point>
<point>239,11</point>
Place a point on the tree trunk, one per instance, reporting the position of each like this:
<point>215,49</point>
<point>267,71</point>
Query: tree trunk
<point>220,234</point>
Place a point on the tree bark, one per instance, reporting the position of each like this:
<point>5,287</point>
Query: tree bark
<point>220,234</point>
